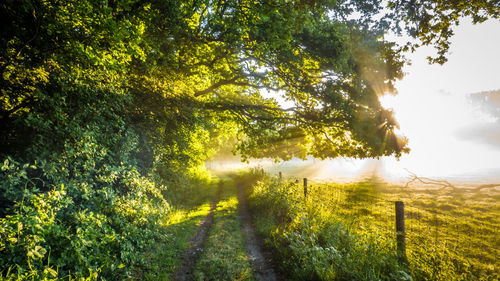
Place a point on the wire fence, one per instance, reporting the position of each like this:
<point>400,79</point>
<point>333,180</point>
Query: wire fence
<point>454,226</point>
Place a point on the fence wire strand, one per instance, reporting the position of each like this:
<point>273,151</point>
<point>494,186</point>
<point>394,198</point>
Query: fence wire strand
<point>434,220</point>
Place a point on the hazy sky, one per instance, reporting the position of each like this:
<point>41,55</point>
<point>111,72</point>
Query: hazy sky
<point>436,113</point>
<point>449,136</point>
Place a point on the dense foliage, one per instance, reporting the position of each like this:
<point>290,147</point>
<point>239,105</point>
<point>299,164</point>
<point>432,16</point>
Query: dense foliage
<point>107,108</point>
<point>162,69</point>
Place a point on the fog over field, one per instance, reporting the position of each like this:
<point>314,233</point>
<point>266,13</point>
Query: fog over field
<point>348,170</point>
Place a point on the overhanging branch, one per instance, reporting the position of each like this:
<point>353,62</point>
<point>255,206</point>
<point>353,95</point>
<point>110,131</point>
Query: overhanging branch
<point>233,81</point>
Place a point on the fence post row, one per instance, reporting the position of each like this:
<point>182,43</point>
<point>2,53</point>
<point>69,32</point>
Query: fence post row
<point>400,231</point>
<point>305,187</point>
<point>400,224</point>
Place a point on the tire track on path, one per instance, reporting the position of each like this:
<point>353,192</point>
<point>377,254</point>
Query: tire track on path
<point>186,268</point>
<point>260,259</point>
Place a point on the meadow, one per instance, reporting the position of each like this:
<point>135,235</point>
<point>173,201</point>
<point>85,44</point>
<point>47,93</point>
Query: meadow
<point>347,231</point>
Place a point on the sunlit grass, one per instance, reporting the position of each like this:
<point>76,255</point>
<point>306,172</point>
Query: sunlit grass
<point>224,256</point>
<point>162,257</point>
<point>451,234</point>
<point>455,227</point>
<point>178,216</point>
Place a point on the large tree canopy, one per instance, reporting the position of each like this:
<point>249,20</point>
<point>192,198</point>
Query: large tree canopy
<point>172,70</point>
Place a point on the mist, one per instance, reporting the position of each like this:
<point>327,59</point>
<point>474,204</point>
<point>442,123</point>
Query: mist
<point>487,132</point>
<point>450,114</point>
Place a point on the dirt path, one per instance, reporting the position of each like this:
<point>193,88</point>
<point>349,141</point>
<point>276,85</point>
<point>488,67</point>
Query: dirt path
<point>261,260</point>
<point>185,270</point>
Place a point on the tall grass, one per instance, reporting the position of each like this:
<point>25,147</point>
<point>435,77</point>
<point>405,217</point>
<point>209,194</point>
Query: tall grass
<point>346,232</point>
<point>313,243</point>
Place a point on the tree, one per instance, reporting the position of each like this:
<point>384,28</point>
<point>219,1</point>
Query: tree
<point>331,69</point>
<point>170,67</point>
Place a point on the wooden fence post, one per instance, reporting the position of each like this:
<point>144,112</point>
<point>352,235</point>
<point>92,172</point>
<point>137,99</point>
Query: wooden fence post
<point>280,175</point>
<point>305,187</point>
<point>400,231</point>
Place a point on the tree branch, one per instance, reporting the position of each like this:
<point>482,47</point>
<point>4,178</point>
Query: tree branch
<point>423,180</point>
<point>214,87</point>
<point>232,81</point>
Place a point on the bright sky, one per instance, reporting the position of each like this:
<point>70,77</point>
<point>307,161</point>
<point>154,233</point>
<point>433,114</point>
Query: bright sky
<point>434,112</point>
<point>433,108</point>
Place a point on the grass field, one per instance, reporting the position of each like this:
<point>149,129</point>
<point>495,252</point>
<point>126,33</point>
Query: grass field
<point>346,231</point>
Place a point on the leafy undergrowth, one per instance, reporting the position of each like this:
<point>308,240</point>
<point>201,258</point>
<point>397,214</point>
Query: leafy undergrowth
<point>106,224</point>
<point>346,231</point>
<point>224,256</point>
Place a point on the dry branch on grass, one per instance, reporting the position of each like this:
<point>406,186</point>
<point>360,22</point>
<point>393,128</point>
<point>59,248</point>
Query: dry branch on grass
<point>413,178</point>
<point>444,183</point>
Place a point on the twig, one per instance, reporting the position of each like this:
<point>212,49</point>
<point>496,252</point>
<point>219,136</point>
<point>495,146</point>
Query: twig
<point>444,183</point>
<point>424,180</point>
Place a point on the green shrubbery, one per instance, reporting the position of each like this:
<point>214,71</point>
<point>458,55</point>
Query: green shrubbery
<point>313,244</point>
<point>84,229</point>
<point>78,228</point>
<point>90,200</point>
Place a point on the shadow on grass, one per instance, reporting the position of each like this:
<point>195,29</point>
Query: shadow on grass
<point>190,204</point>
<point>162,257</point>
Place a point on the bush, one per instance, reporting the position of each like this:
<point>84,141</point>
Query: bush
<point>79,229</point>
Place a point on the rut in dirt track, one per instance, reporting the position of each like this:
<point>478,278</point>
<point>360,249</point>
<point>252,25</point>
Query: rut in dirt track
<point>260,259</point>
<point>186,268</point>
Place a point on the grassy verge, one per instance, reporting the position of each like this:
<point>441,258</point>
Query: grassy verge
<point>224,256</point>
<point>162,257</point>
<point>312,243</point>
<point>346,231</point>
